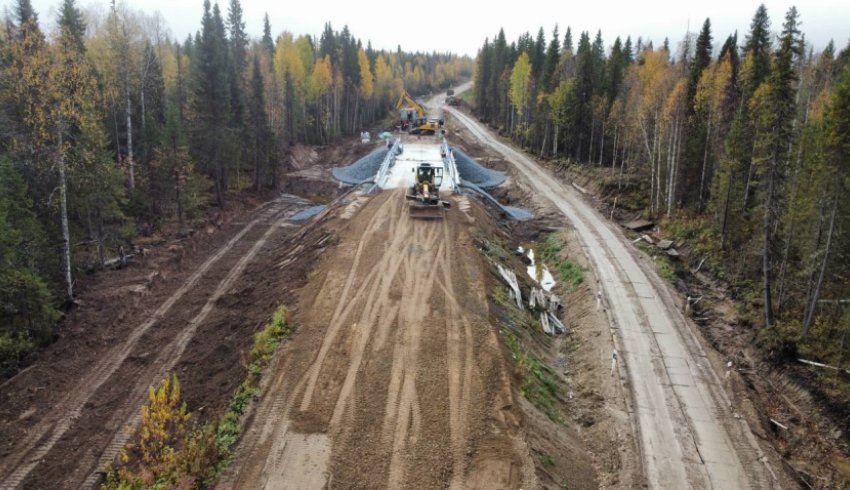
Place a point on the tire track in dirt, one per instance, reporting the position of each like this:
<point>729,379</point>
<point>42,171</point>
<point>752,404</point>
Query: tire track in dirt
<point>43,437</point>
<point>413,314</point>
<point>378,301</point>
<point>687,436</point>
<point>383,358</point>
<point>341,312</point>
<point>170,356</point>
<point>460,364</point>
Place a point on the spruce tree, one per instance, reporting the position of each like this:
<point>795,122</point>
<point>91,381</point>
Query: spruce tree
<point>757,48</point>
<point>25,13</point>
<point>568,40</point>
<point>538,54</point>
<point>702,58</point>
<point>550,63</point>
<point>71,20</point>
<point>258,127</point>
<point>585,83</point>
<point>617,64</point>
<point>267,40</point>
<point>691,181</point>
<point>483,75</point>
<point>776,120</point>
<point>211,101</point>
<point>628,51</point>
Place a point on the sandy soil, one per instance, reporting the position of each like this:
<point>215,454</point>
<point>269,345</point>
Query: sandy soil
<point>395,378</point>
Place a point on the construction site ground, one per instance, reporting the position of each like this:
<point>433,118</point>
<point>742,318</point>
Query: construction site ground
<point>397,374</point>
<point>187,305</point>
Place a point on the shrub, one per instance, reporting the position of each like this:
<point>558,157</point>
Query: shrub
<point>166,452</point>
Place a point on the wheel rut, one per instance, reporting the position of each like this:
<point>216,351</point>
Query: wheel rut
<point>381,386</point>
<point>58,426</point>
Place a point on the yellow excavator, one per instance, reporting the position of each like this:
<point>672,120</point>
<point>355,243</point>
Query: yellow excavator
<point>410,111</point>
<point>424,194</point>
<point>412,117</point>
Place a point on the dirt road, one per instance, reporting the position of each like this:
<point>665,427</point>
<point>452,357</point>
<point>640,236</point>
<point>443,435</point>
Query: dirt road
<point>689,437</point>
<point>61,437</point>
<point>395,378</point>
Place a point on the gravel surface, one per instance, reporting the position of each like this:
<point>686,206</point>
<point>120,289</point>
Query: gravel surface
<point>474,172</point>
<point>362,170</point>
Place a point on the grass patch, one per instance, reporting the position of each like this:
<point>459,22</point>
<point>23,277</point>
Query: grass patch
<point>169,451</point>
<point>569,272</point>
<point>552,247</point>
<point>538,380</point>
<point>545,459</point>
<point>468,97</point>
<point>666,268</point>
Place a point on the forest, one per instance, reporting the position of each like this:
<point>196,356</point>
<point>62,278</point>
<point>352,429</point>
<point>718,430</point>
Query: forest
<point>112,130</point>
<point>743,151</point>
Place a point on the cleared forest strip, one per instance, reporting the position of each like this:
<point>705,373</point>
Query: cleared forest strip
<point>31,450</point>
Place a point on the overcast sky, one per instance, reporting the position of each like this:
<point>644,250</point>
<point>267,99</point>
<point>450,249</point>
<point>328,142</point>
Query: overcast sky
<point>461,26</point>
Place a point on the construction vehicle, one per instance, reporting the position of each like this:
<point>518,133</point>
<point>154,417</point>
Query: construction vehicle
<point>424,194</point>
<point>411,113</point>
<point>427,127</point>
<point>412,117</point>
<point>450,97</point>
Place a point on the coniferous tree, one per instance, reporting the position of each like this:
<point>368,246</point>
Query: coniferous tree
<point>71,21</point>
<point>267,41</point>
<point>24,13</point>
<point>757,50</point>
<point>28,312</point>
<point>538,54</point>
<point>258,126</point>
<point>776,116</point>
<point>692,180</point>
<point>568,40</point>
<point>837,171</point>
<point>627,51</point>
<point>586,78</point>
<point>550,62</point>
<point>211,102</point>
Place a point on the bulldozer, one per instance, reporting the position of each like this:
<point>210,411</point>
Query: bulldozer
<point>424,194</point>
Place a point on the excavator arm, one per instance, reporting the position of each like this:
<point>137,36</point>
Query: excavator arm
<point>406,98</point>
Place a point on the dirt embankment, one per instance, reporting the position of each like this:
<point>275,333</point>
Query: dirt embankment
<point>395,377</point>
<point>309,167</point>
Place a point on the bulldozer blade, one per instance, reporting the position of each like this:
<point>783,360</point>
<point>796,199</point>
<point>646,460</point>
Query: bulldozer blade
<point>425,211</point>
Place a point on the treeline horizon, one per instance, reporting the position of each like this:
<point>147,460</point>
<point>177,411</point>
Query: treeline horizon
<point>743,152</point>
<point>114,131</point>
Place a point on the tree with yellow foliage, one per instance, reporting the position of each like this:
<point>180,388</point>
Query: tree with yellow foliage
<point>519,93</point>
